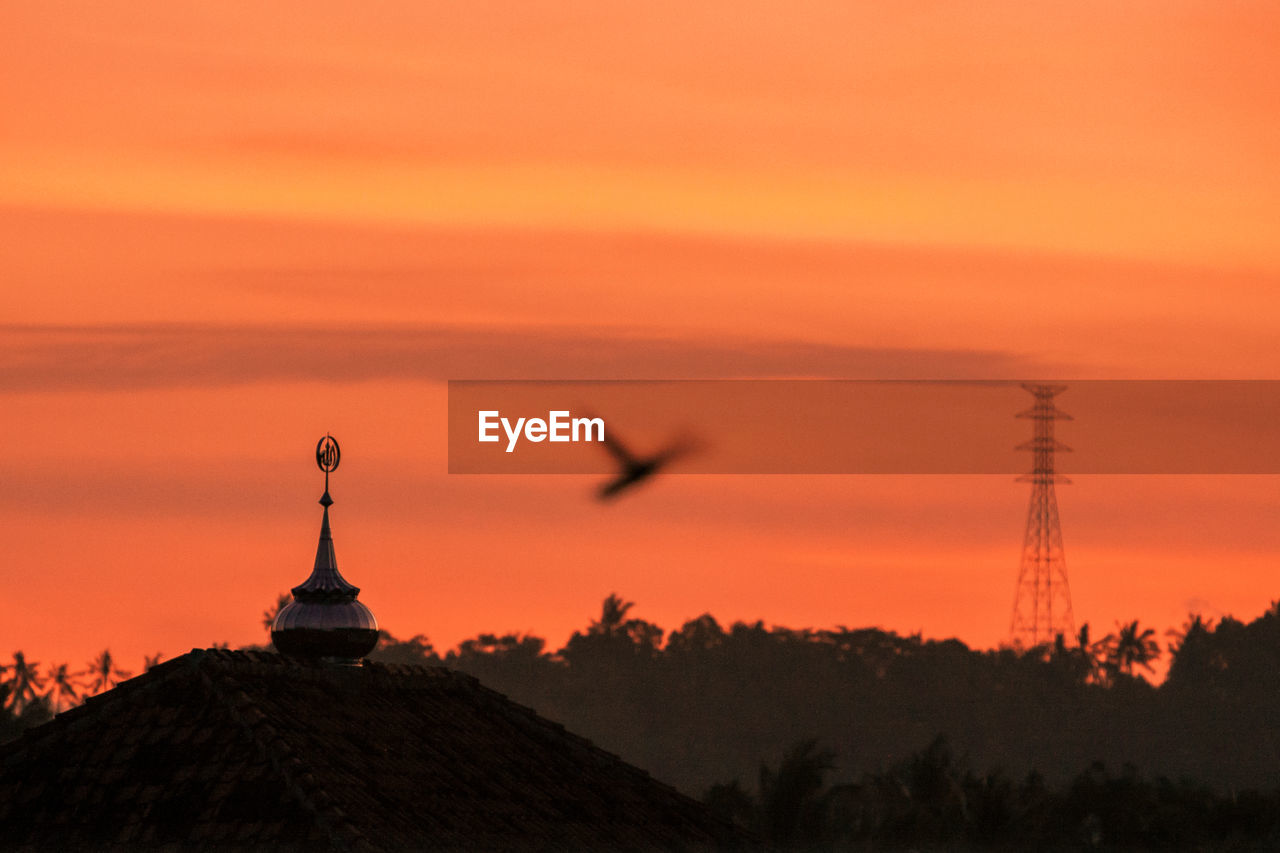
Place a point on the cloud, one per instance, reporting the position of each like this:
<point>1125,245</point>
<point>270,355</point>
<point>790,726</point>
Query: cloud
<point>130,357</point>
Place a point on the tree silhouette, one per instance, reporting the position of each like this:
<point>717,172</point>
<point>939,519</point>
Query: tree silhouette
<point>613,616</point>
<point>791,804</point>
<point>696,636</point>
<point>613,637</point>
<point>1196,625</point>
<point>415,651</point>
<point>64,686</point>
<point>269,615</point>
<point>1131,647</point>
<point>705,703</point>
<point>24,682</point>
<point>103,672</point>
<point>506,646</point>
<point>1088,656</point>
<point>931,801</point>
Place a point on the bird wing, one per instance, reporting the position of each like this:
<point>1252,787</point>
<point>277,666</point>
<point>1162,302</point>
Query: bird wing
<point>619,450</point>
<point>681,446</point>
<point>616,448</point>
<point>617,484</point>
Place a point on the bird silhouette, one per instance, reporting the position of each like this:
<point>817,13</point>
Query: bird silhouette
<point>636,469</point>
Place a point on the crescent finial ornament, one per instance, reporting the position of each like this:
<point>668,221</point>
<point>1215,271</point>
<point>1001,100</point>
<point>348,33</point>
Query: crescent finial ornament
<point>328,454</point>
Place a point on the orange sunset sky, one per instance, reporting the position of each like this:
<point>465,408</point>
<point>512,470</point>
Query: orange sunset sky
<point>229,229</point>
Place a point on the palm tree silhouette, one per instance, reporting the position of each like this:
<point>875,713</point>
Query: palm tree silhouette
<point>104,672</point>
<point>613,616</point>
<point>1132,647</point>
<point>25,683</point>
<point>790,799</point>
<point>63,685</point>
<point>1091,655</point>
<point>150,662</point>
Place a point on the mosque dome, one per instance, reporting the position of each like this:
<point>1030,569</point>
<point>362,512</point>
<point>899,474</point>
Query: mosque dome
<point>325,622</point>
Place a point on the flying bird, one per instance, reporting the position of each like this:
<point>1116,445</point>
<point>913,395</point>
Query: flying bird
<point>636,469</point>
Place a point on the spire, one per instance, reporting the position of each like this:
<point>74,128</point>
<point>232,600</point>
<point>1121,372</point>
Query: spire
<point>326,583</point>
<point>325,621</point>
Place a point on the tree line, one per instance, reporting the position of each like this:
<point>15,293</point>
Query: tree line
<point>934,801</point>
<point>703,705</point>
<point>30,695</point>
<point>706,702</point>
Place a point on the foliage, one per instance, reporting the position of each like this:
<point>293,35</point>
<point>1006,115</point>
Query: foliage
<point>103,672</point>
<point>269,615</point>
<point>933,801</point>
<point>845,710</point>
<point>24,682</point>
<point>703,702</point>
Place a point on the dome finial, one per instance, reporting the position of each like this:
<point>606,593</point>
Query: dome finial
<point>328,455</point>
<point>324,621</point>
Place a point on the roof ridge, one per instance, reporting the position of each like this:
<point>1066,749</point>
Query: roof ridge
<point>300,780</point>
<point>368,667</point>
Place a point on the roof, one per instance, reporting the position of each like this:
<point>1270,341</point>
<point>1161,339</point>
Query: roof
<point>225,748</point>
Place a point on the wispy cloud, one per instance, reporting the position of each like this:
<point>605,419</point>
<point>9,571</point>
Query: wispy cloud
<point>126,357</point>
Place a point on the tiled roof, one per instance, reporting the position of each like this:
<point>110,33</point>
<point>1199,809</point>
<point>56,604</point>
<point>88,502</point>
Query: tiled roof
<point>221,749</point>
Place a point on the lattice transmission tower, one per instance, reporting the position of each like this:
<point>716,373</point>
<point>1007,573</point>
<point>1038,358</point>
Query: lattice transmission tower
<point>1042,603</point>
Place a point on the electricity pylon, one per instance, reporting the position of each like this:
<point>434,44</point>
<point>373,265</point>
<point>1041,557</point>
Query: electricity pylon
<point>1042,602</point>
